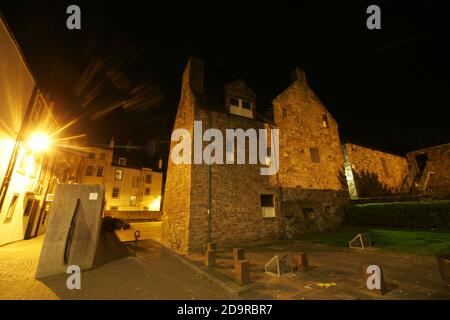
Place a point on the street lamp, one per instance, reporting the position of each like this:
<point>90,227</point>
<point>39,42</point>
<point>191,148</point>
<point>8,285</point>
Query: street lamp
<point>39,142</point>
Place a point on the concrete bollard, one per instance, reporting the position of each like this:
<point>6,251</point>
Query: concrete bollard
<point>300,260</point>
<point>210,258</point>
<point>242,272</point>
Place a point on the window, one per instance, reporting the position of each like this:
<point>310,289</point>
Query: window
<point>147,191</point>
<point>89,170</point>
<point>385,168</point>
<point>133,200</point>
<point>91,155</point>
<point>246,104</point>
<point>122,161</point>
<point>100,171</point>
<point>241,107</point>
<point>12,207</point>
<point>28,207</point>
<point>315,157</point>
<point>267,206</point>
<point>234,101</point>
<point>148,179</point>
<point>116,193</point>
<point>102,156</point>
<point>118,174</point>
<point>283,113</point>
<point>114,208</point>
<point>135,182</point>
<point>325,121</point>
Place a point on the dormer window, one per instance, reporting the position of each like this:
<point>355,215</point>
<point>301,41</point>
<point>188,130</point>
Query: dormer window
<point>122,161</point>
<point>241,107</point>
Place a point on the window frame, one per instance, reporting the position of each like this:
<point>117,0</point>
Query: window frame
<point>121,174</point>
<point>118,193</point>
<point>133,203</point>
<point>100,169</point>
<point>89,171</point>
<point>313,152</point>
<point>267,211</point>
<point>11,208</point>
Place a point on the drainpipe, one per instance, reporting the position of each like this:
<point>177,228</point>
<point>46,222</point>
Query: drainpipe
<point>209,187</point>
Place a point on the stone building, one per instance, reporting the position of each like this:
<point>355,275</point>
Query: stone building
<point>372,173</point>
<point>234,203</point>
<point>131,190</point>
<point>429,171</point>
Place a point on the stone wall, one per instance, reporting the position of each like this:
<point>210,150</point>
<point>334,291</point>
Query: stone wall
<point>375,173</point>
<point>437,166</point>
<point>314,187</point>
<point>135,215</point>
<point>177,195</point>
<point>300,116</point>
<point>236,214</point>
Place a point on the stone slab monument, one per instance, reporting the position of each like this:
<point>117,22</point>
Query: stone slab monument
<point>73,230</point>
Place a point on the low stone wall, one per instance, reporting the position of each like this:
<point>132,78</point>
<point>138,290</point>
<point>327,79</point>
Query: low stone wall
<point>135,215</point>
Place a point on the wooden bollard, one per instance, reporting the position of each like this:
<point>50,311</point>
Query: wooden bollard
<point>210,258</point>
<point>238,254</point>
<point>300,260</point>
<point>374,278</point>
<point>211,246</point>
<point>242,272</point>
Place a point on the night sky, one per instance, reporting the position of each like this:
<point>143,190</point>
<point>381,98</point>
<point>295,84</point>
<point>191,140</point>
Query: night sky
<point>386,88</point>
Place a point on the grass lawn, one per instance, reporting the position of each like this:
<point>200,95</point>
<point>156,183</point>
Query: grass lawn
<point>420,242</point>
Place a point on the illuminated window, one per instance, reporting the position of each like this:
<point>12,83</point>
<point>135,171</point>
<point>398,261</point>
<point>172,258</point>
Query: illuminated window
<point>135,182</point>
<point>325,121</point>
<point>100,171</point>
<point>267,205</point>
<point>89,170</point>
<point>118,174</point>
<point>133,200</point>
<point>241,107</point>
<point>315,157</point>
<point>116,193</point>
<point>148,179</point>
<point>12,208</point>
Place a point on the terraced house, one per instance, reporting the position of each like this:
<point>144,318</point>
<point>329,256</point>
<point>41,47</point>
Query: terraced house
<point>131,190</point>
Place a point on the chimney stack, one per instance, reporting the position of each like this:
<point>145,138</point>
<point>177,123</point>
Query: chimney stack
<point>193,74</point>
<point>298,74</point>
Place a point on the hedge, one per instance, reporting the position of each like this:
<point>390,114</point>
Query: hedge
<point>424,214</point>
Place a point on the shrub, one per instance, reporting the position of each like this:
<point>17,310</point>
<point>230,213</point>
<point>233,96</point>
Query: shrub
<point>111,224</point>
<point>426,214</point>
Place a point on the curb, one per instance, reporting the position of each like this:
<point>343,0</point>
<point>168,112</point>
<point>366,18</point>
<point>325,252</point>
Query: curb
<point>221,280</point>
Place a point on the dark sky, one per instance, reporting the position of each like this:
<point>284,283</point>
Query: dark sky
<point>386,88</point>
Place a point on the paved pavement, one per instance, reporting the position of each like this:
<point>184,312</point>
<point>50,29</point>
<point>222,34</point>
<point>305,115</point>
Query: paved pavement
<point>153,274</point>
<point>339,269</point>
